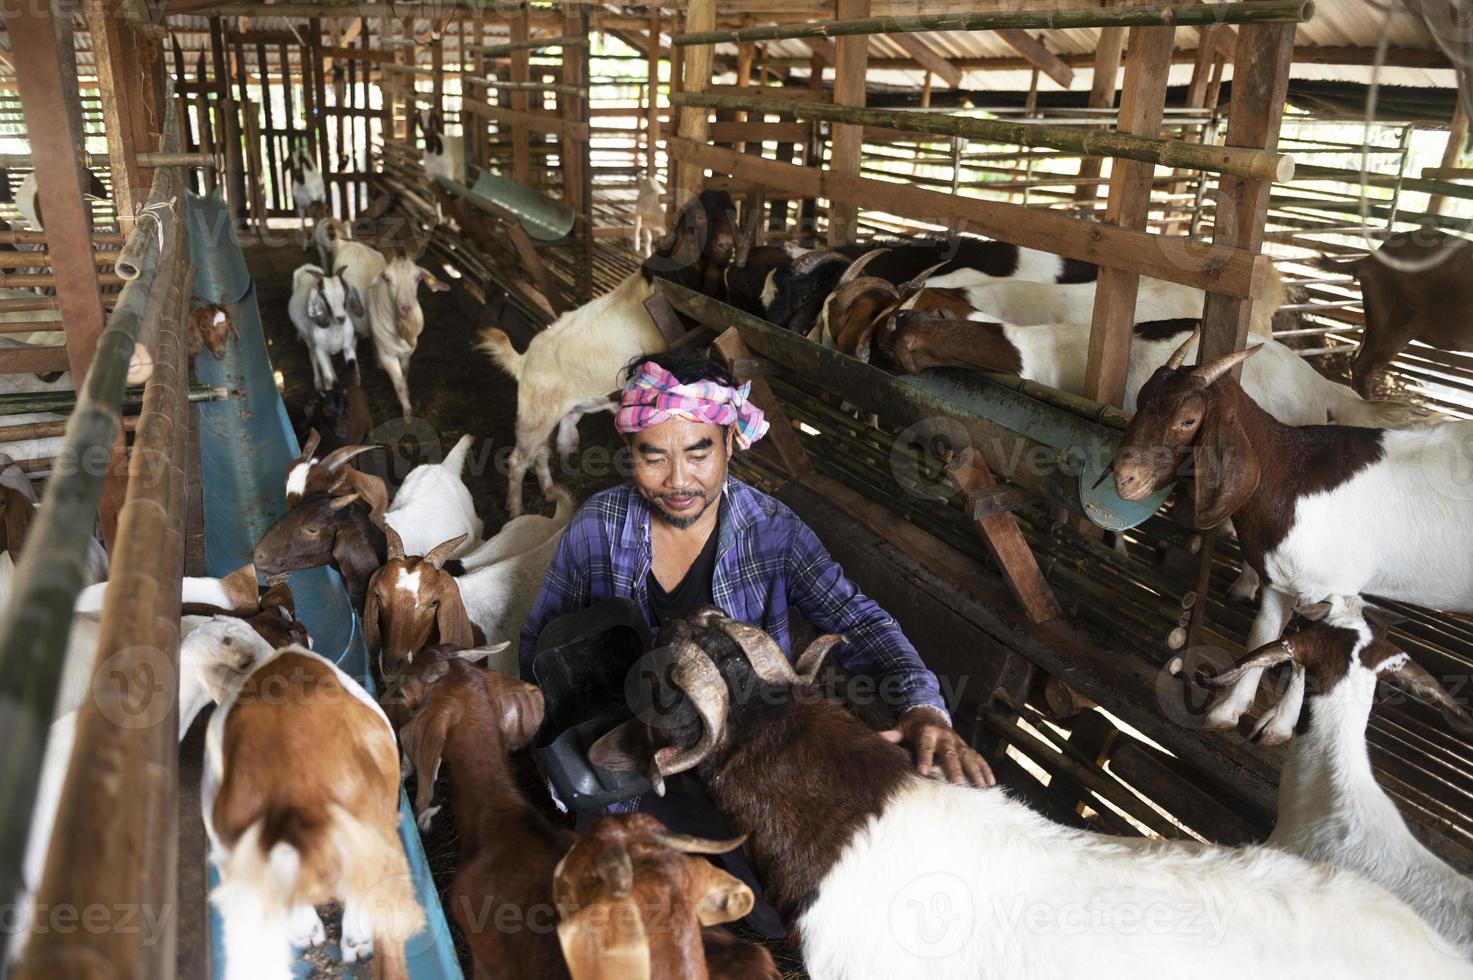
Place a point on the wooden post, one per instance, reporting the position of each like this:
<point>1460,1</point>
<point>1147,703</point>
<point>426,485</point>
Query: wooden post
<point>53,116</point>
<point>1242,204</point>
<point>1101,96</point>
<point>695,121</point>
<point>739,360</point>
<point>229,125</point>
<point>652,106</point>
<point>851,58</point>
<point>123,107</point>
<point>521,144</point>
<point>1452,154</point>
<point>1146,72</point>
<point>574,151</point>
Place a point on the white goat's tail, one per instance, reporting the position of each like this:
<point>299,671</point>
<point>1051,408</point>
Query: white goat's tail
<point>566,505</point>
<point>1383,413</point>
<point>497,344</point>
<point>454,460</point>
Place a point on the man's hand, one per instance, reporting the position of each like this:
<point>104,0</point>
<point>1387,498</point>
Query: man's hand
<point>925,732</point>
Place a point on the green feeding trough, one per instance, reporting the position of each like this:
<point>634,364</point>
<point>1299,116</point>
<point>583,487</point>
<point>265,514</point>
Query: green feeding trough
<point>543,218</point>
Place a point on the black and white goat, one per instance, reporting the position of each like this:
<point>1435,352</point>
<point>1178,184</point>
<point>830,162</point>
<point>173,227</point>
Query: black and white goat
<point>322,308</point>
<point>444,155</point>
<point>1331,809</point>
<point>886,873</point>
<point>309,190</point>
<point>1322,512</point>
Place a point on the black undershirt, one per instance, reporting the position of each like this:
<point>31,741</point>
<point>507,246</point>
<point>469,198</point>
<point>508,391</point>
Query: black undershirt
<point>691,591</point>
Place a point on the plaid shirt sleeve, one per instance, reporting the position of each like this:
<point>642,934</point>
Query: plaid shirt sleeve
<point>564,589</point>
<point>876,647</point>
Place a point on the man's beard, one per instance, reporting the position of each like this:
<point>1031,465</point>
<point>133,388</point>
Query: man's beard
<point>679,523</point>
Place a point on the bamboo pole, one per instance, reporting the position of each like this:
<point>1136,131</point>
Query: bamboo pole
<point>36,260</point>
<point>1235,161</point>
<point>558,87</point>
<point>1182,15</point>
<point>532,44</point>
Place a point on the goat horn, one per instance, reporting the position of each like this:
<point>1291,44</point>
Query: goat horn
<point>616,869</point>
<point>338,503</point>
<point>1180,357</point>
<point>698,677</point>
<point>313,438</point>
<point>686,844</point>
<point>335,460</point>
<point>396,543</point>
<point>857,266</point>
<point>1211,372</point>
<point>810,662</point>
<point>809,261</point>
<point>763,653</point>
<point>1265,656</point>
<point>442,551</point>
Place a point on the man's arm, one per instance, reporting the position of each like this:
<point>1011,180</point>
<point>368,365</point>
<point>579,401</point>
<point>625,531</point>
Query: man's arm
<point>875,645</point>
<point>565,588</point>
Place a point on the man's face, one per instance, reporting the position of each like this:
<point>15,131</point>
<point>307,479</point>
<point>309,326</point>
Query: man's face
<point>680,466</point>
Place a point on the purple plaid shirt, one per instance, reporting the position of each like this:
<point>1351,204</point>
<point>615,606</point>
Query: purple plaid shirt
<point>767,559</point>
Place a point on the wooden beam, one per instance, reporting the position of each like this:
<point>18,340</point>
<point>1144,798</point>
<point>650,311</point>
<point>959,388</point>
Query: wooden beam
<point>1147,71</point>
<point>928,59</point>
<point>821,48</point>
<point>1101,96</point>
<point>532,122</point>
<point>1004,539</point>
<point>1242,204</point>
<point>1213,268</point>
<point>695,76</point>
<point>574,151</point>
<point>1036,54</point>
<point>851,56</point>
<point>733,349</point>
<point>521,145</point>
<point>652,96</point>
<point>1452,155</point>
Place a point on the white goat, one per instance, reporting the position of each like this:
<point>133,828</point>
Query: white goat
<point>309,190</point>
<point>1027,303</point>
<point>577,359</point>
<point>412,598</point>
<point>326,828</point>
<point>649,215</point>
<point>396,319</point>
<point>433,505</point>
<point>322,308</point>
<point>326,234</point>
<point>360,264</point>
<point>1330,807</point>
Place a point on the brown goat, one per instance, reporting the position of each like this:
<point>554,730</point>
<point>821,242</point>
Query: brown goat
<point>324,529</point>
<point>288,837</point>
<point>1428,298</point>
<point>212,326</point>
<point>517,871</point>
<point>635,903</point>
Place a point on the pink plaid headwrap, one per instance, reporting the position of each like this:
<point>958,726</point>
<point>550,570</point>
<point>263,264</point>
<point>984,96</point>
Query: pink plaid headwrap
<point>654,395</point>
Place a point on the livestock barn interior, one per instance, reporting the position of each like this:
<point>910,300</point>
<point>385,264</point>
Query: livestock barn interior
<point>298,296</point>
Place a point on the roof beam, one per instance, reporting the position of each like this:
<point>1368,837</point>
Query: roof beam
<point>928,59</point>
<point>1040,57</point>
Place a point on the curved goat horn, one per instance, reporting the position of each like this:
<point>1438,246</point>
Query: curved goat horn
<point>616,869</point>
<point>441,552</point>
<point>338,503</point>
<point>1180,356</point>
<point>698,677</point>
<point>336,459</point>
<point>857,266</point>
<point>810,662</point>
<point>310,446</point>
<point>919,279</point>
<point>1265,656</point>
<point>809,261</point>
<point>763,653</point>
<point>1211,372</point>
<point>686,844</point>
<point>396,543</point>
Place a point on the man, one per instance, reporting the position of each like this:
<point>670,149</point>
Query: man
<point>683,533</point>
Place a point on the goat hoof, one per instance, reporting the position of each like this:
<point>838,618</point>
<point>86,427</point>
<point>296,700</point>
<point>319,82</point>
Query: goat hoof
<point>306,928</point>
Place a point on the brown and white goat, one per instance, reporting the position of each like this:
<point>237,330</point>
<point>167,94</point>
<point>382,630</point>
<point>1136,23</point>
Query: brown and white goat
<point>1418,286</point>
<point>1330,807</point>
<point>1321,511</point>
<point>886,873</point>
<point>577,359</point>
<point>212,326</point>
<point>287,837</point>
<point>517,872</point>
<point>331,473</point>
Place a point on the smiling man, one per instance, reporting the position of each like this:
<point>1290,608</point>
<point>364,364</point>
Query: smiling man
<point>684,533</point>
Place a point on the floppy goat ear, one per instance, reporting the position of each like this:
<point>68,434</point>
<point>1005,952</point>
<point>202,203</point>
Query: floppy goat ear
<point>370,616</point>
<point>720,897</point>
<point>1227,467</point>
<point>423,742</point>
<point>429,280</point>
<point>317,306</point>
<point>451,620</point>
<point>354,303</point>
